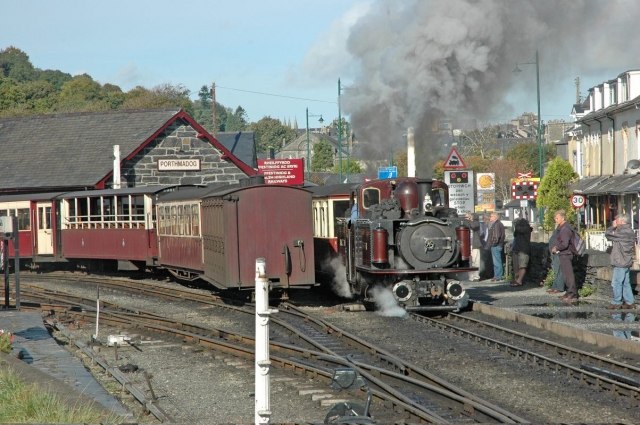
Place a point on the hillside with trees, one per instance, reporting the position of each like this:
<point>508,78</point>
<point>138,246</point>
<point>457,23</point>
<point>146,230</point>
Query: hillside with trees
<point>26,90</point>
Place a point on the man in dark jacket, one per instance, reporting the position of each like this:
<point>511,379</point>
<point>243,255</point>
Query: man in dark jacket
<point>476,244</point>
<point>495,242</point>
<point>565,254</point>
<point>622,252</point>
<point>558,279</point>
<point>521,250</point>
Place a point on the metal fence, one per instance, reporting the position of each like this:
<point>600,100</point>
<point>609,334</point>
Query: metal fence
<point>596,240</point>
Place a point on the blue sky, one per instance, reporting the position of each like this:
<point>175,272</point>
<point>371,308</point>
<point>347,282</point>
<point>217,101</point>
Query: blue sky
<point>293,49</point>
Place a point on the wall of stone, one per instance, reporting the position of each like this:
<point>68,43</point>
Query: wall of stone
<point>179,141</point>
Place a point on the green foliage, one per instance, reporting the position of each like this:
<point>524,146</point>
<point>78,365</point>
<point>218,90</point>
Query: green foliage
<point>21,403</point>
<point>548,281</point>
<point>351,167</point>
<point>162,96</point>
<point>270,133</point>
<point>5,343</point>
<point>14,63</point>
<point>527,156</point>
<point>553,192</point>
<point>400,161</point>
<point>322,158</point>
<point>586,291</point>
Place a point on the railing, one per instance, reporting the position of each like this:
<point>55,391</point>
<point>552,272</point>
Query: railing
<point>596,240</point>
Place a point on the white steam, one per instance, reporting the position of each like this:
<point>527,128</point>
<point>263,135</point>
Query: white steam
<point>339,285</point>
<point>386,304</point>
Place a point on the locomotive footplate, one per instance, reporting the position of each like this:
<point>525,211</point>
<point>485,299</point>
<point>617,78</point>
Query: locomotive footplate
<point>414,271</point>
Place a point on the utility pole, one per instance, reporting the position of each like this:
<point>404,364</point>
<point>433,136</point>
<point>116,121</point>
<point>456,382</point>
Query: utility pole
<point>213,105</point>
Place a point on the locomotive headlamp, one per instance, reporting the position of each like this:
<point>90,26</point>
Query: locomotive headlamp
<point>402,291</point>
<point>455,290</point>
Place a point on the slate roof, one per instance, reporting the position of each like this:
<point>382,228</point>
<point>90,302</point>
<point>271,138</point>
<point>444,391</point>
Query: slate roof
<point>608,185</point>
<point>241,144</point>
<point>74,150</point>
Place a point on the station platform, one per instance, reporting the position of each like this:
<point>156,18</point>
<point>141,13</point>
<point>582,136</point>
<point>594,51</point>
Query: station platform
<point>50,365</point>
<point>587,320</point>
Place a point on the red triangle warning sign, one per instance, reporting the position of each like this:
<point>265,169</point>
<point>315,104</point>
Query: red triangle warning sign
<point>454,161</point>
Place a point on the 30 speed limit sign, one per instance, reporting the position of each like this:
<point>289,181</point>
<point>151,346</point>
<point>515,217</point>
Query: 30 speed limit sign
<point>578,201</point>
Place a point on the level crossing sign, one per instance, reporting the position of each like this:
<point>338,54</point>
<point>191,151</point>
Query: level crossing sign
<point>454,161</point>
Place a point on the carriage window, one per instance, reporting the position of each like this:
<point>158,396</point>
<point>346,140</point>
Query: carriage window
<point>95,209</point>
<point>45,217</point>
<point>123,208</point>
<point>108,211</point>
<point>371,197</point>
<point>180,220</point>
<point>195,220</point>
<point>161,221</point>
<point>137,208</point>
<point>3,213</point>
<point>174,221</point>
<point>187,219</point>
<point>24,220</point>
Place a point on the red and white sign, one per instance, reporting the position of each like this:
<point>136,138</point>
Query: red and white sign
<point>578,201</point>
<point>525,175</point>
<point>454,161</point>
<point>524,190</point>
<point>282,171</point>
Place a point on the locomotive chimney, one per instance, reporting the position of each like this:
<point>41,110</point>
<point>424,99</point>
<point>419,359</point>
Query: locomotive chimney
<point>411,153</point>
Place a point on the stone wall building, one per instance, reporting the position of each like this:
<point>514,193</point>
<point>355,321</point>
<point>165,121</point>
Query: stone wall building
<point>76,151</point>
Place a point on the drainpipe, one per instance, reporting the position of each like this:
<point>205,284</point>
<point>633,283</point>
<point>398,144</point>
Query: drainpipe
<point>589,131</point>
<point>601,160</point>
<point>613,142</point>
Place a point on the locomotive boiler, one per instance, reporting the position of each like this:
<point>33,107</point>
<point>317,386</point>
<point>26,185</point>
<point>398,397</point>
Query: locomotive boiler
<point>402,236</point>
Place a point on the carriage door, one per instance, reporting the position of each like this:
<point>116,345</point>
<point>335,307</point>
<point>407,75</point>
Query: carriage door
<point>45,234</point>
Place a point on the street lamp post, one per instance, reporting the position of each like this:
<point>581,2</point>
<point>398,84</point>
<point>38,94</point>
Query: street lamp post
<point>517,71</point>
<point>339,130</point>
<point>308,146</point>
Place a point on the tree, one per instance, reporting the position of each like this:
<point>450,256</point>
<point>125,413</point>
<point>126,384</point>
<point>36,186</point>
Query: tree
<point>400,161</point>
<point>14,63</point>
<point>81,94</point>
<point>352,167</point>
<point>322,159</point>
<point>270,133</point>
<point>504,170</point>
<point>553,192</point>
<point>527,156</point>
<point>235,121</point>
<point>162,96</point>
<point>480,142</point>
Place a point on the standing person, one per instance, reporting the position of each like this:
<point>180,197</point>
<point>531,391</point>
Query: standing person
<point>558,279</point>
<point>476,244</point>
<point>495,243</point>
<point>521,250</point>
<point>565,254</point>
<point>624,243</point>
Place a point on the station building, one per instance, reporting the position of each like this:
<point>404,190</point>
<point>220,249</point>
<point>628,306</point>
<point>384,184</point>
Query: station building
<point>112,149</point>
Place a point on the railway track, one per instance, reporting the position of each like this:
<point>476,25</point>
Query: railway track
<point>397,385</point>
<point>604,374</point>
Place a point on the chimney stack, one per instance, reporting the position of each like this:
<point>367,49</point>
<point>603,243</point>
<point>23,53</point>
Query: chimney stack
<point>411,153</point>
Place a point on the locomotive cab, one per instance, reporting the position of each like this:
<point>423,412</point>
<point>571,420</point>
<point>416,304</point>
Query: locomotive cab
<point>402,236</point>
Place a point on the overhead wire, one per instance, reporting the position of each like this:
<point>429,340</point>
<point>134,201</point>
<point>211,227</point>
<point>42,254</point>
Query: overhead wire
<point>276,95</point>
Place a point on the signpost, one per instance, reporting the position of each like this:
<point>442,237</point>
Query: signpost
<point>454,161</point>
<point>578,201</point>
<point>387,172</point>
<point>486,192</point>
<point>282,171</point>
<point>461,184</point>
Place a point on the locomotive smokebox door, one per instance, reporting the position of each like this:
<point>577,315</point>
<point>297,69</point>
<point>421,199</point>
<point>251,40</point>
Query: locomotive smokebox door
<point>427,245</point>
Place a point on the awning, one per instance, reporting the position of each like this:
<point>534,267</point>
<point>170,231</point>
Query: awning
<point>608,185</point>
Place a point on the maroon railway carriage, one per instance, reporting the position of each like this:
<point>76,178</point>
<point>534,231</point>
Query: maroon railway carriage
<point>112,224</point>
<point>179,231</point>
<point>238,224</point>
<point>36,213</point>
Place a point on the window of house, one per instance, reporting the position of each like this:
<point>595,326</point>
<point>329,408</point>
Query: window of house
<point>624,95</point>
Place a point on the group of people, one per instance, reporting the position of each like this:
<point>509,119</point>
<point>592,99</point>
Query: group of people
<point>490,235</point>
<point>623,239</point>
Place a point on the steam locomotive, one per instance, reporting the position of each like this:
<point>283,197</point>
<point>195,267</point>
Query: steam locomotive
<point>399,235</point>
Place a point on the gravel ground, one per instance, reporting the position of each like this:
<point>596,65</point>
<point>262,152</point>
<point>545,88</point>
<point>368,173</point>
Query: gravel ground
<point>195,386</point>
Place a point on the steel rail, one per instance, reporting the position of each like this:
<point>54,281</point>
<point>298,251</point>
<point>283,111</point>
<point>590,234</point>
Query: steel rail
<point>583,376</point>
<point>578,355</point>
<point>407,368</point>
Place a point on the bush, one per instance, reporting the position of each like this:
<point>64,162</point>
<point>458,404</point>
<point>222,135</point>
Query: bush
<point>586,291</point>
<point>5,341</point>
<point>548,281</point>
